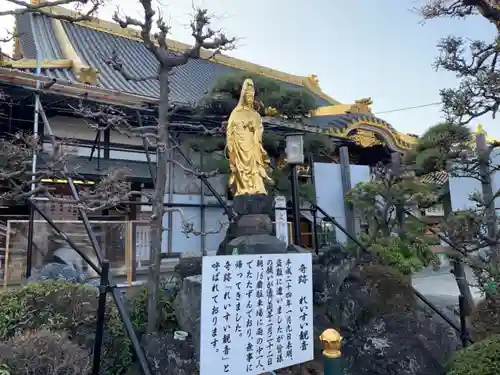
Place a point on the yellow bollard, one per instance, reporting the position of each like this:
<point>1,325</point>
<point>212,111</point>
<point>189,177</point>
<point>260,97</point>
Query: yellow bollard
<point>332,355</point>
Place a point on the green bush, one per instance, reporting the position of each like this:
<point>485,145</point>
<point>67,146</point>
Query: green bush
<point>42,353</point>
<point>482,358</point>
<point>389,289</point>
<point>60,306</point>
<point>137,304</point>
<point>293,103</point>
<point>485,320</point>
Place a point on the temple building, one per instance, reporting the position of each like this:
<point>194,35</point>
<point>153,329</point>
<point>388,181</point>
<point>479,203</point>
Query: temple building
<point>74,72</point>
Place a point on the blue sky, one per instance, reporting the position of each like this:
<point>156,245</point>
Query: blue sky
<point>358,48</point>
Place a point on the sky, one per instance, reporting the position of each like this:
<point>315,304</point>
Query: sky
<point>357,48</point>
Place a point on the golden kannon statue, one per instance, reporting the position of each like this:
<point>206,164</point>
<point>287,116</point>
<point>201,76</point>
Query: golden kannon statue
<point>248,161</point>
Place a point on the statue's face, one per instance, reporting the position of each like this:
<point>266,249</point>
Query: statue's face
<point>249,95</point>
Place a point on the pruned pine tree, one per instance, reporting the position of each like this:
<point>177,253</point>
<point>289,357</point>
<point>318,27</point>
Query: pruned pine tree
<point>474,62</point>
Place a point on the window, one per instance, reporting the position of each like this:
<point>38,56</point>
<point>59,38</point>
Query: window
<point>326,234</point>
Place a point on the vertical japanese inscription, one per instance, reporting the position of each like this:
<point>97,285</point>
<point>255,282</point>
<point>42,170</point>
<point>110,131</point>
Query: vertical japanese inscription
<point>259,314</point>
<point>288,310</point>
<point>226,316</point>
<point>238,330</point>
<point>270,312</point>
<point>249,308</point>
<point>303,310</point>
<point>215,305</point>
<point>280,312</point>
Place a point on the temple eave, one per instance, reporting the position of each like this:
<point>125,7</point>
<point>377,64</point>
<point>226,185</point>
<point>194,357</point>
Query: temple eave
<point>32,64</point>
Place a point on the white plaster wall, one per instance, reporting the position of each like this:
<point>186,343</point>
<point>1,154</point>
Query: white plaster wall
<point>76,128</point>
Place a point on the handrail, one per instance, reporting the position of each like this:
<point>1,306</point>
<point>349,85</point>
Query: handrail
<point>415,292</point>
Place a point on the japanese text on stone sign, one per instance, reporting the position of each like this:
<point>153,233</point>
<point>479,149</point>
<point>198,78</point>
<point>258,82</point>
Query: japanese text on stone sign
<point>256,313</point>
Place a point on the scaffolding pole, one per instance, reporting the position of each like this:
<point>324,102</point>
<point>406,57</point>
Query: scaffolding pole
<point>31,229</point>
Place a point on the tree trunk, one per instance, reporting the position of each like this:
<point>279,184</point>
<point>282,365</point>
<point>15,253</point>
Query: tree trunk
<point>158,197</point>
<point>483,155</point>
<point>458,265</point>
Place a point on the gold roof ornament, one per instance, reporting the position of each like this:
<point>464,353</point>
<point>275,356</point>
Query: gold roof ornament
<point>365,138</point>
<point>361,106</point>
<point>331,342</point>
<point>313,78</point>
<point>480,129</point>
<point>271,112</point>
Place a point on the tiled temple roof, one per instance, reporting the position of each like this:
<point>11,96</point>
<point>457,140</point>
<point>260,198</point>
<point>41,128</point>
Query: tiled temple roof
<point>92,43</point>
<point>438,178</point>
<point>189,82</point>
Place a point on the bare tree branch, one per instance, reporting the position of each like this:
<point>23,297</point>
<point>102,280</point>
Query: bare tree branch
<point>204,36</point>
<point>43,8</point>
<point>116,64</point>
<point>10,36</point>
<point>489,9</point>
<point>16,171</point>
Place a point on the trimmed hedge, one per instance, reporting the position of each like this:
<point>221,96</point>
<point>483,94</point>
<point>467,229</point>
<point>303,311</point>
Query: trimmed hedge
<point>71,308</point>
<point>43,353</point>
<point>482,358</point>
<point>60,306</point>
<point>485,320</point>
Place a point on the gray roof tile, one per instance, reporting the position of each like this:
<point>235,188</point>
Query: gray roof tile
<point>40,37</point>
<point>438,178</point>
<point>343,121</point>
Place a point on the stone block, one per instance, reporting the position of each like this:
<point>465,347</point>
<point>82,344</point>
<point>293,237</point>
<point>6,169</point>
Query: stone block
<point>188,309</point>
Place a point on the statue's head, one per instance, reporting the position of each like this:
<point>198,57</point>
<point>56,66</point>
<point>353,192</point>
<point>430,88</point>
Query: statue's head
<point>247,93</point>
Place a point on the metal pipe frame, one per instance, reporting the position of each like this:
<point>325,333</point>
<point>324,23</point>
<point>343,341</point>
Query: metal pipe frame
<point>172,205</point>
<point>95,244</point>
<point>31,227</point>
<point>101,311</point>
<point>314,211</point>
<point>170,194</point>
<point>202,208</point>
<point>294,182</point>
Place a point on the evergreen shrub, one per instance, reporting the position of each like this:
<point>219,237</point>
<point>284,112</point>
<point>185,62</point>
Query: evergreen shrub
<point>42,353</point>
<point>70,308</point>
<point>485,320</point>
<point>482,358</point>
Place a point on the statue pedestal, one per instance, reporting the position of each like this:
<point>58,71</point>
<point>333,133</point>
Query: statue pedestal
<point>253,205</point>
<point>251,232</point>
